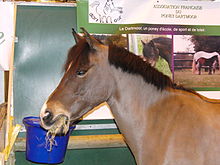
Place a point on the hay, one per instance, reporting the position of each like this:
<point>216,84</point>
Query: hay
<point>50,141</point>
<point>60,124</point>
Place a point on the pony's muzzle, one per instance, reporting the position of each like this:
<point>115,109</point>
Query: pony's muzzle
<point>55,124</point>
<point>47,118</point>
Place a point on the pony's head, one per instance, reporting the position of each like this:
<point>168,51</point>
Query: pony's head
<point>82,86</point>
<point>150,52</point>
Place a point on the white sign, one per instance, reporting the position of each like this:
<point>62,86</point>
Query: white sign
<point>6,33</point>
<point>154,12</point>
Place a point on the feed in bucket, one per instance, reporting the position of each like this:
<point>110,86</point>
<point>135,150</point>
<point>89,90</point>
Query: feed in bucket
<point>51,134</point>
<point>44,146</point>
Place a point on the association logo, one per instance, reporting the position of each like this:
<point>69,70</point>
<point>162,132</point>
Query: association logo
<point>104,11</point>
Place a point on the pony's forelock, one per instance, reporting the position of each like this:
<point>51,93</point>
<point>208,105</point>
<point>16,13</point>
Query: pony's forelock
<point>80,49</point>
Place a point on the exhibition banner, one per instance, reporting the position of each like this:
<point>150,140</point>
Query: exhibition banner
<point>184,33</point>
<point>6,33</point>
<point>152,16</point>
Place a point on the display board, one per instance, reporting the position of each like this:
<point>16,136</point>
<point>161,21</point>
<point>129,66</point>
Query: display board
<point>190,31</point>
<point>164,16</point>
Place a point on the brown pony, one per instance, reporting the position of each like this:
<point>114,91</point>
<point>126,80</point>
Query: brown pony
<point>163,124</point>
<point>201,58</point>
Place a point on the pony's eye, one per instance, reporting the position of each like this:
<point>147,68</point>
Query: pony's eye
<point>81,73</point>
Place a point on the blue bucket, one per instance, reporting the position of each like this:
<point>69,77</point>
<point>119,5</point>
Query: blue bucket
<point>37,148</point>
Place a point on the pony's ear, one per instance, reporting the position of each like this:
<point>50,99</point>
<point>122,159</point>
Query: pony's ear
<point>143,43</point>
<point>76,36</point>
<point>92,41</point>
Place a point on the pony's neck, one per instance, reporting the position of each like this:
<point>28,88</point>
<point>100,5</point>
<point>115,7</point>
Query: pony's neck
<point>131,87</point>
<point>130,102</point>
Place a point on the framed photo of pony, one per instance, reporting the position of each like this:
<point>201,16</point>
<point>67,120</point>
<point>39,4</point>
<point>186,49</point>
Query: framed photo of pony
<point>196,61</point>
<point>154,48</point>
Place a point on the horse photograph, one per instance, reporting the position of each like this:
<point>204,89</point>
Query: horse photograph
<point>201,59</point>
<point>162,122</point>
<point>196,65</point>
<point>156,49</point>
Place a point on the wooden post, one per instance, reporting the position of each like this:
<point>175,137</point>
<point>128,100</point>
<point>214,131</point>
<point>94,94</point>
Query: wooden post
<point>9,123</point>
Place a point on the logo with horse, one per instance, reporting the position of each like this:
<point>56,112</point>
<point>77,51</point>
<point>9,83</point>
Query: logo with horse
<point>104,12</point>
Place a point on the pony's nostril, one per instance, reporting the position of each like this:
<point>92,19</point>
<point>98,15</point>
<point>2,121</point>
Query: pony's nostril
<point>47,117</point>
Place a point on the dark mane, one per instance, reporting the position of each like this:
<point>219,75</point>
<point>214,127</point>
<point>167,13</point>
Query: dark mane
<point>129,62</point>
